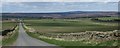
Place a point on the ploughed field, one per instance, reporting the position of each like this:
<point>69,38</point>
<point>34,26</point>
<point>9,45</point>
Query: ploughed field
<point>69,25</point>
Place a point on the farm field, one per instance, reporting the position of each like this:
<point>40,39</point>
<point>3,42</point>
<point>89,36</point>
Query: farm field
<point>70,26</point>
<point>8,39</point>
<point>6,24</point>
<point>108,18</point>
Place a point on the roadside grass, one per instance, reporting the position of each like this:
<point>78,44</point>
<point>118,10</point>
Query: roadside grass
<point>0,40</point>
<point>118,42</point>
<point>11,39</point>
<point>109,43</point>
<point>57,42</point>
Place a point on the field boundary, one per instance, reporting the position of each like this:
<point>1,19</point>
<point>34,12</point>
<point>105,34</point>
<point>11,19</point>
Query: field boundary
<point>10,38</point>
<point>48,37</point>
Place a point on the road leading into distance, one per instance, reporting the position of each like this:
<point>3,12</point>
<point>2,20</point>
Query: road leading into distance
<point>25,40</point>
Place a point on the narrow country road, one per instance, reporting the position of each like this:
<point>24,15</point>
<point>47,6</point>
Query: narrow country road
<point>26,40</point>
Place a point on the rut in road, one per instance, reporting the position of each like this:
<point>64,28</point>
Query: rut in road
<point>26,40</point>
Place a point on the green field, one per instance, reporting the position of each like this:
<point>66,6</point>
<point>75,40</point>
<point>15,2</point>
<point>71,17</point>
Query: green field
<point>69,25</point>
<point>8,24</point>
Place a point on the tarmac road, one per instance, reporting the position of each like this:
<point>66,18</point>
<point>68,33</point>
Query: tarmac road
<point>26,40</point>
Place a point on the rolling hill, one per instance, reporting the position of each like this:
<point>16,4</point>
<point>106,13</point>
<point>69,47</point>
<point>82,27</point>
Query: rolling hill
<point>72,14</point>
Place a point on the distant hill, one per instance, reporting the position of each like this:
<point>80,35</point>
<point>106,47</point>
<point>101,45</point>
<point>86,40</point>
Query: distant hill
<point>72,14</point>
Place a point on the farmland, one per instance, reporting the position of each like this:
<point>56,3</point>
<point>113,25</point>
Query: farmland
<point>9,32</point>
<point>6,24</point>
<point>69,25</point>
<point>108,18</point>
<point>54,26</point>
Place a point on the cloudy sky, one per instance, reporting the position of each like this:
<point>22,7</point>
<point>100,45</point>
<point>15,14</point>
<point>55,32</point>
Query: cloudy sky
<point>60,0</point>
<point>58,5</point>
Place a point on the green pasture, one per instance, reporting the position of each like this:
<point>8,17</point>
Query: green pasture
<point>69,25</point>
<point>8,25</point>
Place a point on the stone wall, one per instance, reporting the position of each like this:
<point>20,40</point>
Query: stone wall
<point>88,35</point>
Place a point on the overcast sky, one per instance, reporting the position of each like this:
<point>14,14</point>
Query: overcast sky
<point>37,6</point>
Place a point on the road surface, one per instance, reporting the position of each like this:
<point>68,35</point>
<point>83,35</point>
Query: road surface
<point>26,40</point>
